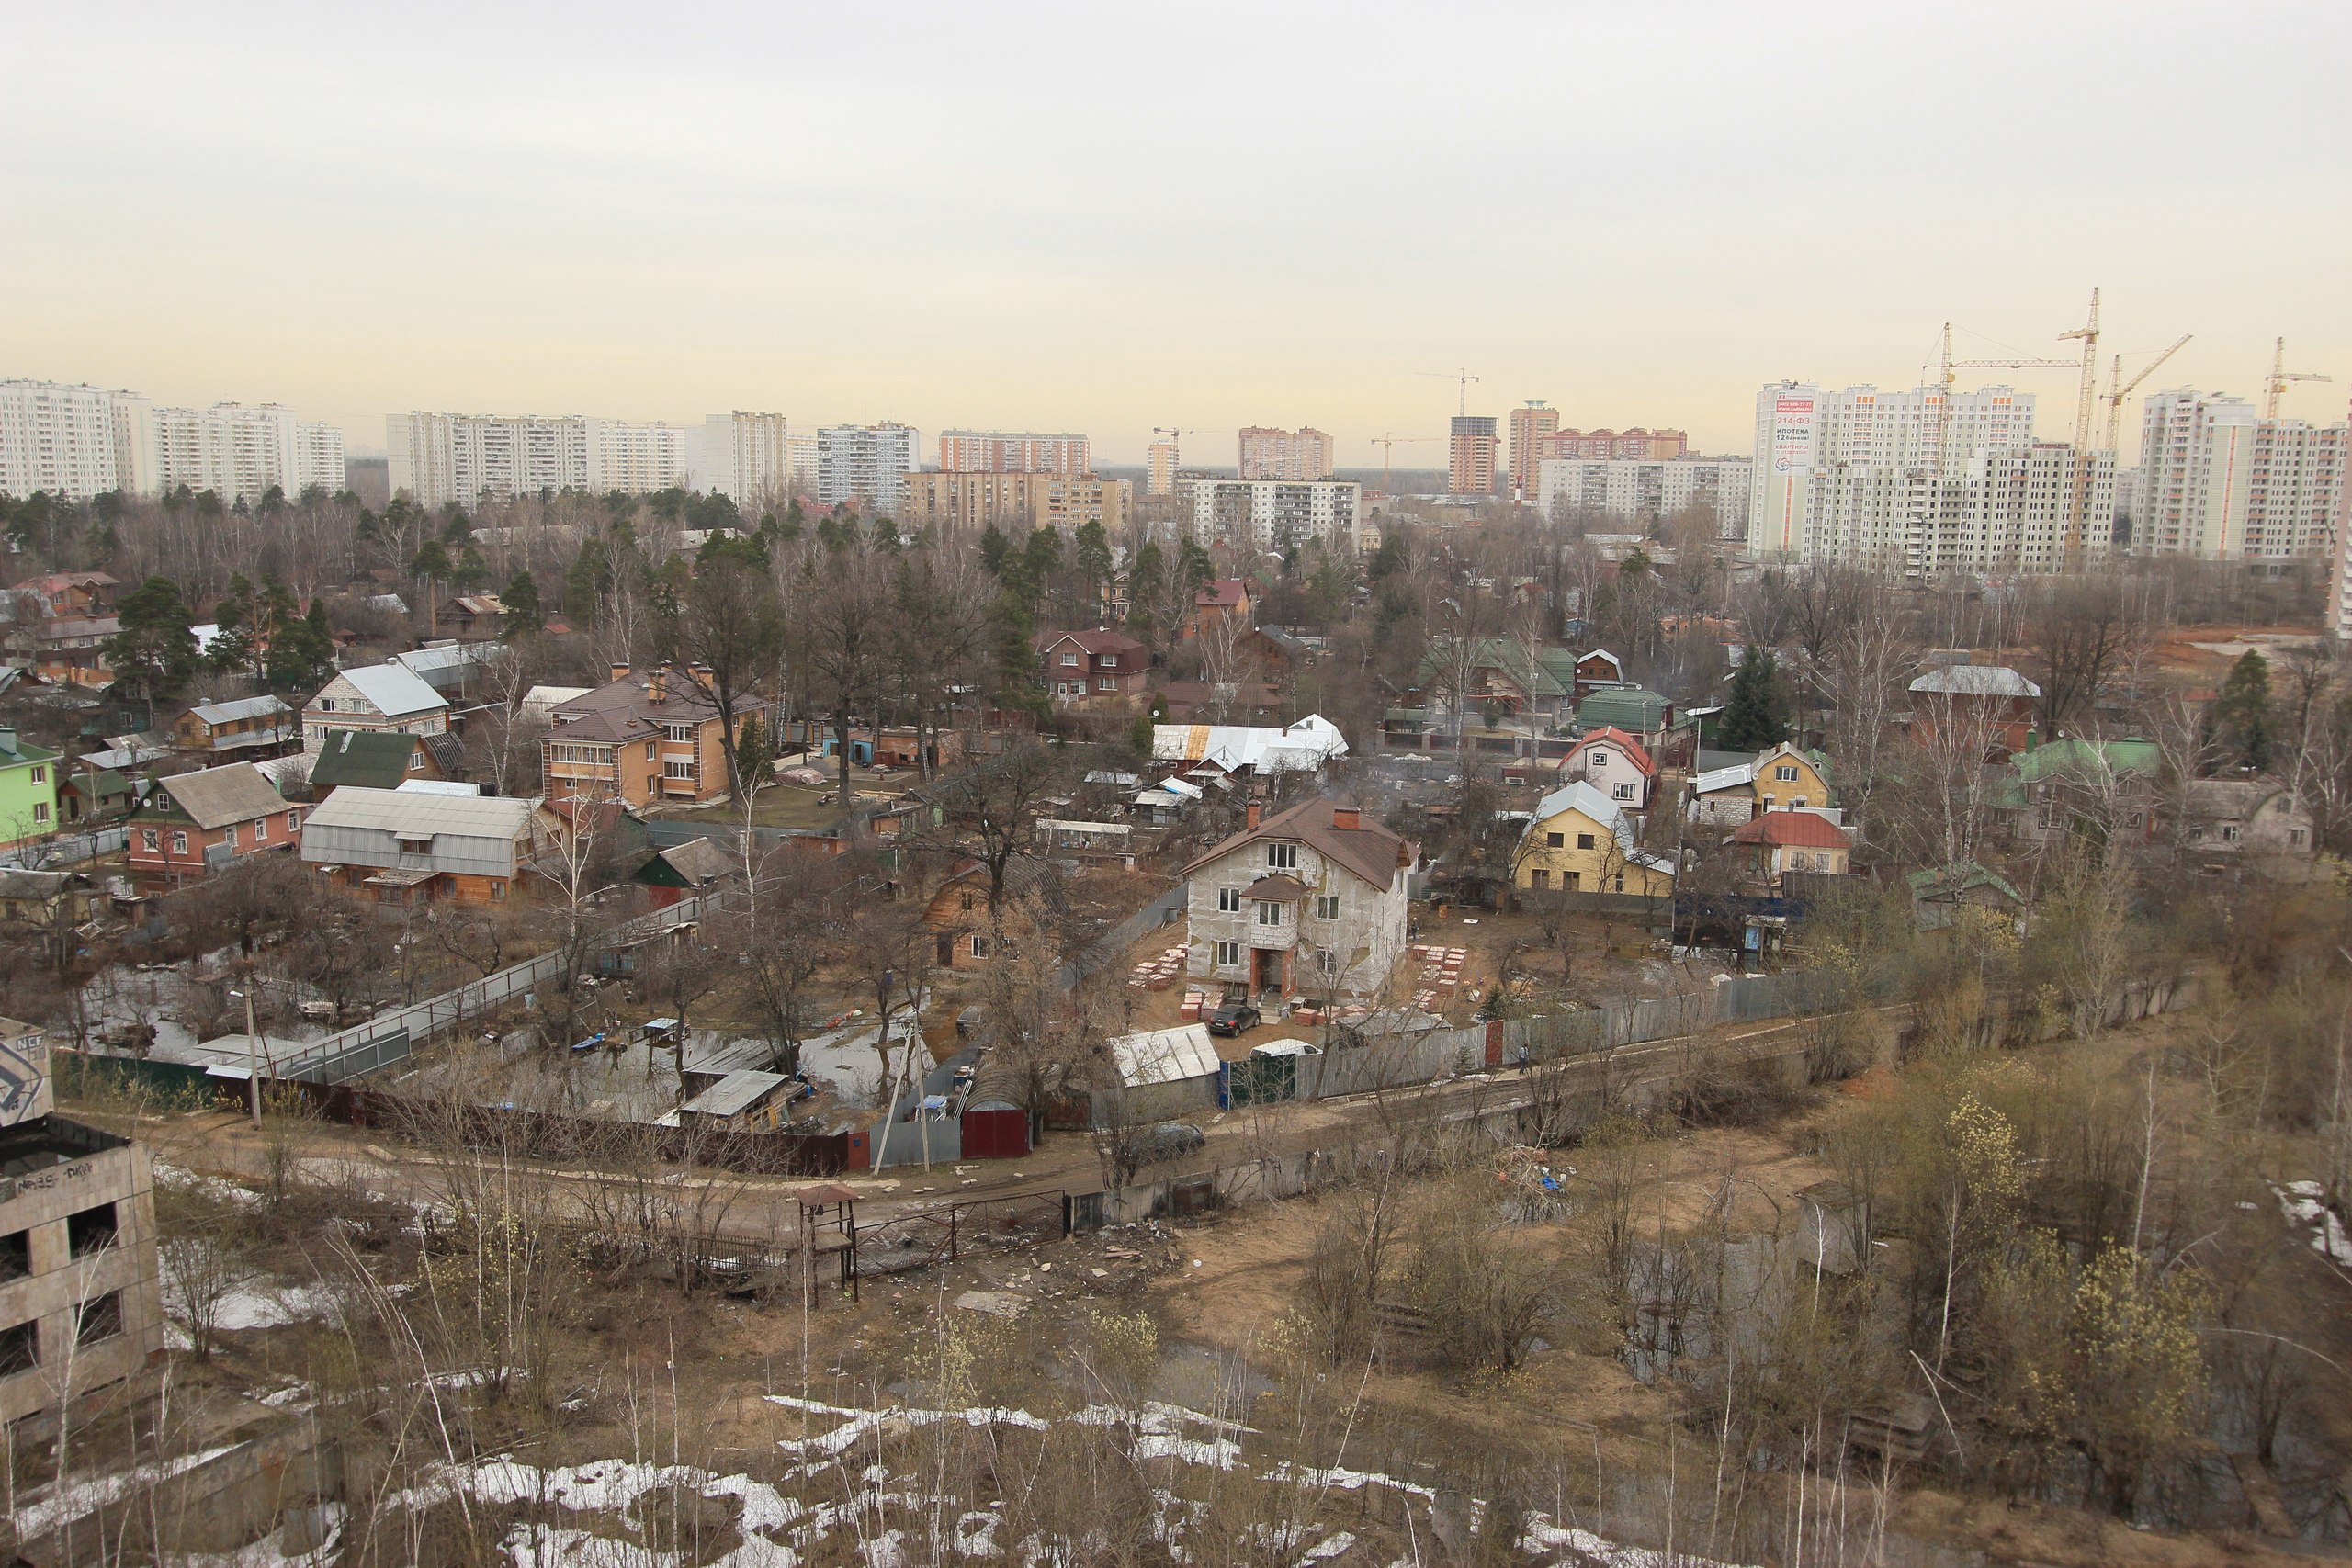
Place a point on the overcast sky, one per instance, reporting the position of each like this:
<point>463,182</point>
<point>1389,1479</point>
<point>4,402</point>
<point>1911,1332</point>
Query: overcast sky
<point>1105,217</point>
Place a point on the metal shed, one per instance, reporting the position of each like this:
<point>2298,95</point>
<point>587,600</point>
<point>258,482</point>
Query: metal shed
<point>1162,1073</point>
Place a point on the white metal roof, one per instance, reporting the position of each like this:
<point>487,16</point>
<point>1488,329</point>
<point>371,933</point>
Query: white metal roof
<point>449,656</point>
<point>243,707</point>
<point>1164,1055</point>
<point>1305,746</point>
<point>394,689</point>
<point>416,815</point>
<point>1976,681</point>
<point>1733,777</point>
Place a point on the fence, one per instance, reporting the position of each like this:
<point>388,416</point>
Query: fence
<point>70,848</point>
<point>927,1237</point>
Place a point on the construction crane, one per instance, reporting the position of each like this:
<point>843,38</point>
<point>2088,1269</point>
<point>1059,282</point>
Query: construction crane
<point>1175,448</point>
<point>1944,379</point>
<point>2117,388</point>
<point>2089,396</point>
<point>1385,442</point>
<point>2279,376</point>
<point>1462,377</point>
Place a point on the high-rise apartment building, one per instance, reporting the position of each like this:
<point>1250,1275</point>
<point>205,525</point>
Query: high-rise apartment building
<point>2220,482</point>
<point>1159,468</point>
<point>1269,514</point>
<point>1001,452</point>
<point>1470,465</point>
<point>445,459</point>
<point>78,442</point>
<point>1636,445</point>
<point>748,457</point>
<point>1015,502</point>
<point>868,464</point>
<point>1532,425</point>
<point>1270,454</point>
<point>1639,493</point>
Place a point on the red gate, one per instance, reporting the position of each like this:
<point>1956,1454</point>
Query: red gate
<point>996,1134</point>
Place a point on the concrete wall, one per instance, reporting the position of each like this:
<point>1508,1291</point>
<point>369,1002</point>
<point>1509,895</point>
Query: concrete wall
<point>53,1294</point>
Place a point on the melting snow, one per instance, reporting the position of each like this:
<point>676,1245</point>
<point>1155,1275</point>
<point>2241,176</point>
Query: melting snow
<point>2305,1204</point>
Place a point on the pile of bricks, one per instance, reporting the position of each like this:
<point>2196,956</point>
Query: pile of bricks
<point>1441,974</point>
<point>1158,973</point>
<point>1197,1005</point>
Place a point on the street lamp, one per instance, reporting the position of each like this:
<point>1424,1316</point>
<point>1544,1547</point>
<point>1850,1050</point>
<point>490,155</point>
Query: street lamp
<point>253,1053</point>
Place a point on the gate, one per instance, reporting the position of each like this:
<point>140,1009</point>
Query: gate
<point>996,1134</point>
<point>1259,1079</point>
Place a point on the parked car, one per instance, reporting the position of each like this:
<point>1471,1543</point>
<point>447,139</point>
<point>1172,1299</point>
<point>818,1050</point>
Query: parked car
<point>1233,1017</point>
<point>1168,1140</point>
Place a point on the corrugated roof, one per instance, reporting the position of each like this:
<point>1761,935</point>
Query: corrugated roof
<point>371,759</point>
<point>1164,1055</point>
<point>394,689</point>
<point>1799,830</point>
<point>1975,681</point>
<point>424,816</point>
<point>218,797</point>
<point>243,707</point>
<point>1306,745</point>
<point>735,1093</point>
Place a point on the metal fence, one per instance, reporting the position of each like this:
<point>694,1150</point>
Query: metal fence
<point>68,849</point>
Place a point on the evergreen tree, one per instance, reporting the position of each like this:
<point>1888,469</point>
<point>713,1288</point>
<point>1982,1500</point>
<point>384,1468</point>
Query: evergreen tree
<point>523,616</point>
<point>1756,716</point>
<point>994,548</point>
<point>1144,579</point>
<point>236,647</point>
<point>754,753</point>
<point>301,649</point>
<point>154,653</point>
<point>2241,714</point>
<point>1092,559</point>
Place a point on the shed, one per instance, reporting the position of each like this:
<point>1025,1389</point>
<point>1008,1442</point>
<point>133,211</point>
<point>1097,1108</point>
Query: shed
<point>745,1099</point>
<point>995,1122</point>
<point>1161,1072</point>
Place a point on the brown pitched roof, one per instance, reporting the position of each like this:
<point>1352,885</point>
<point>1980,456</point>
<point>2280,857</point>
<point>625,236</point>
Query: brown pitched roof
<point>218,797</point>
<point>1369,850</point>
<point>1803,830</point>
<point>1092,642</point>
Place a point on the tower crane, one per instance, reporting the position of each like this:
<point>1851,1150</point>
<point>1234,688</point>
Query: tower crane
<point>2279,376</point>
<point>1385,442</point>
<point>2118,389</point>
<point>1463,377</point>
<point>1945,377</point>
<point>1175,442</point>
<point>2089,396</point>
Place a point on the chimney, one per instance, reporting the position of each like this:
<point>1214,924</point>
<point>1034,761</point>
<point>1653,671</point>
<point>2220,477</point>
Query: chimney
<point>1346,817</point>
<point>620,673</point>
<point>656,687</point>
<point>705,675</point>
<point>1255,811</point>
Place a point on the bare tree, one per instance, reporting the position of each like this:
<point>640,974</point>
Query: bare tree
<point>2083,631</point>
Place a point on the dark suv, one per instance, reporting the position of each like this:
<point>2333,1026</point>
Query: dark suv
<point>1233,1017</point>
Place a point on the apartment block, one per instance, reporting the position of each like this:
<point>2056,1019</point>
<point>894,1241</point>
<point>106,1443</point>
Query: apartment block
<point>1636,445</point>
<point>444,458</point>
<point>868,464</point>
<point>1270,454</point>
<point>1269,514</point>
<point>2219,482</point>
<point>78,442</point>
<point>1159,468</point>
<point>1640,492</point>
<point>1532,426</point>
<point>81,1303</point>
<point>1471,465</point>
<point>1015,502</point>
<point>1001,452</point>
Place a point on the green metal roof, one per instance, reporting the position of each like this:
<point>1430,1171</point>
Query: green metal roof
<point>1510,657</point>
<point>1630,708</point>
<point>1959,877</point>
<point>367,758</point>
<point>2086,760</point>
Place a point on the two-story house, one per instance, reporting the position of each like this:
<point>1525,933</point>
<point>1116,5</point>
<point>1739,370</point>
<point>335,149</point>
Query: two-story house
<point>191,825</point>
<point>402,847</point>
<point>1226,597</point>
<point>1096,669</point>
<point>1986,706</point>
<point>2240,817</point>
<point>383,759</point>
<point>642,741</point>
<point>57,625</point>
<point>28,789</point>
<point>1787,777</point>
<point>1579,841</point>
<point>1310,899</point>
<point>1781,841</point>
<point>373,697</point>
<point>247,724</point>
<point>1614,763</point>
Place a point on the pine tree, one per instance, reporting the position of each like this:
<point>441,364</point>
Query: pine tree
<point>523,616</point>
<point>235,650</point>
<point>1756,716</point>
<point>2241,714</point>
<point>154,653</point>
<point>994,549</point>
<point>754,753</point>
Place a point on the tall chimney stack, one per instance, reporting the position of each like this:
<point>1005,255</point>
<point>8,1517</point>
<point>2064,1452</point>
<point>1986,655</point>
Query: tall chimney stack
<point>1256,810</point>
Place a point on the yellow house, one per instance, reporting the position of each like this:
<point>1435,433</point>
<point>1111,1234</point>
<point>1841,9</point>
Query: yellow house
<point>1581,842</point>
<point>1786,777</point>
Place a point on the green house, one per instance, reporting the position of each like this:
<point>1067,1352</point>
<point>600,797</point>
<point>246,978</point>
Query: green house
<point>28,789</point>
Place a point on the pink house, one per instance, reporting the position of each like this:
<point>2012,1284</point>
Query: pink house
<point>1616,764</point>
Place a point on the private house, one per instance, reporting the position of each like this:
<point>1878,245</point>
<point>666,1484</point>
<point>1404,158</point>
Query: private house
<point>1978,704</point>
<point>375,696</point>
<point>643,740</point>
<point>451,668</point>
<point>192,825</point>
<point>1642,714</point>
<point>1311,899</point>
<point>1777,842</point>
<point>1227,597</point>
<point>469,616</point>
<point>248,723</point>
<point>1579,841</point>
<point>2242,817</point>
<point>687,871</point>
<point>1616,764</point>
<point>80,1300</point>
<point>1500,673</point>
<point>28,780</point>
<point>1786,777</point>
<point>47,900</point>
<point>1596,670</point>
<point>95,793</point>
<point>2107,787</point>
<point>1096,669</point>
<point>400,847</point>
<point>957,915</point>
<point>1276,654</point>
<point>383,759</point>
<point>1940,892</point>
<point>1721,797</point>
<point>56,626</point>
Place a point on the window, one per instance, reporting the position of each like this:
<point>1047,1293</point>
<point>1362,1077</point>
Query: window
<point>1326,961</point>
<point>293,822</point>
<point>1109,662</point>
<point>1069,661</point>
<point>100,1319</point>
<point>1600,758</point>
<point>683,734</point>
<point>1283,857</point>
<point>1228,900</point>
<point>41,775</point>
<point>1620,882</point>
<point>416,761</point>
<point>1270,914</point>
<point>648,751</point>
<point>179,843</point>
<point>261,829</point>
<point>1106,684</point>
<point>1539,877</point>
<point>497,889</point>
<point>682,769</point>
<point>16,1255</point>
<point>978,946</point>
<point>1785,773</point>
<point>967,901</point>
<point>1571,882</point>
<point>92,1230</point>
<point>326,704</point>
<point>2295,837</point>
<point>150,841</point>
<point>40,811</point>
<point>1228,955</point>
<point>17,1351</point>
<point>2229,832</point>
<point>1622,792</point>
<point>1584,841</point>
<point>1326,906</point>
<point>229,835</point>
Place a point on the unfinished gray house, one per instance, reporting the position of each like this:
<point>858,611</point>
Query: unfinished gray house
<point>1311,900</point>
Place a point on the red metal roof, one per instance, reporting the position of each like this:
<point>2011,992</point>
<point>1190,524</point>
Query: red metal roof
<point>1798,830</point>
<point>1624,743</point>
